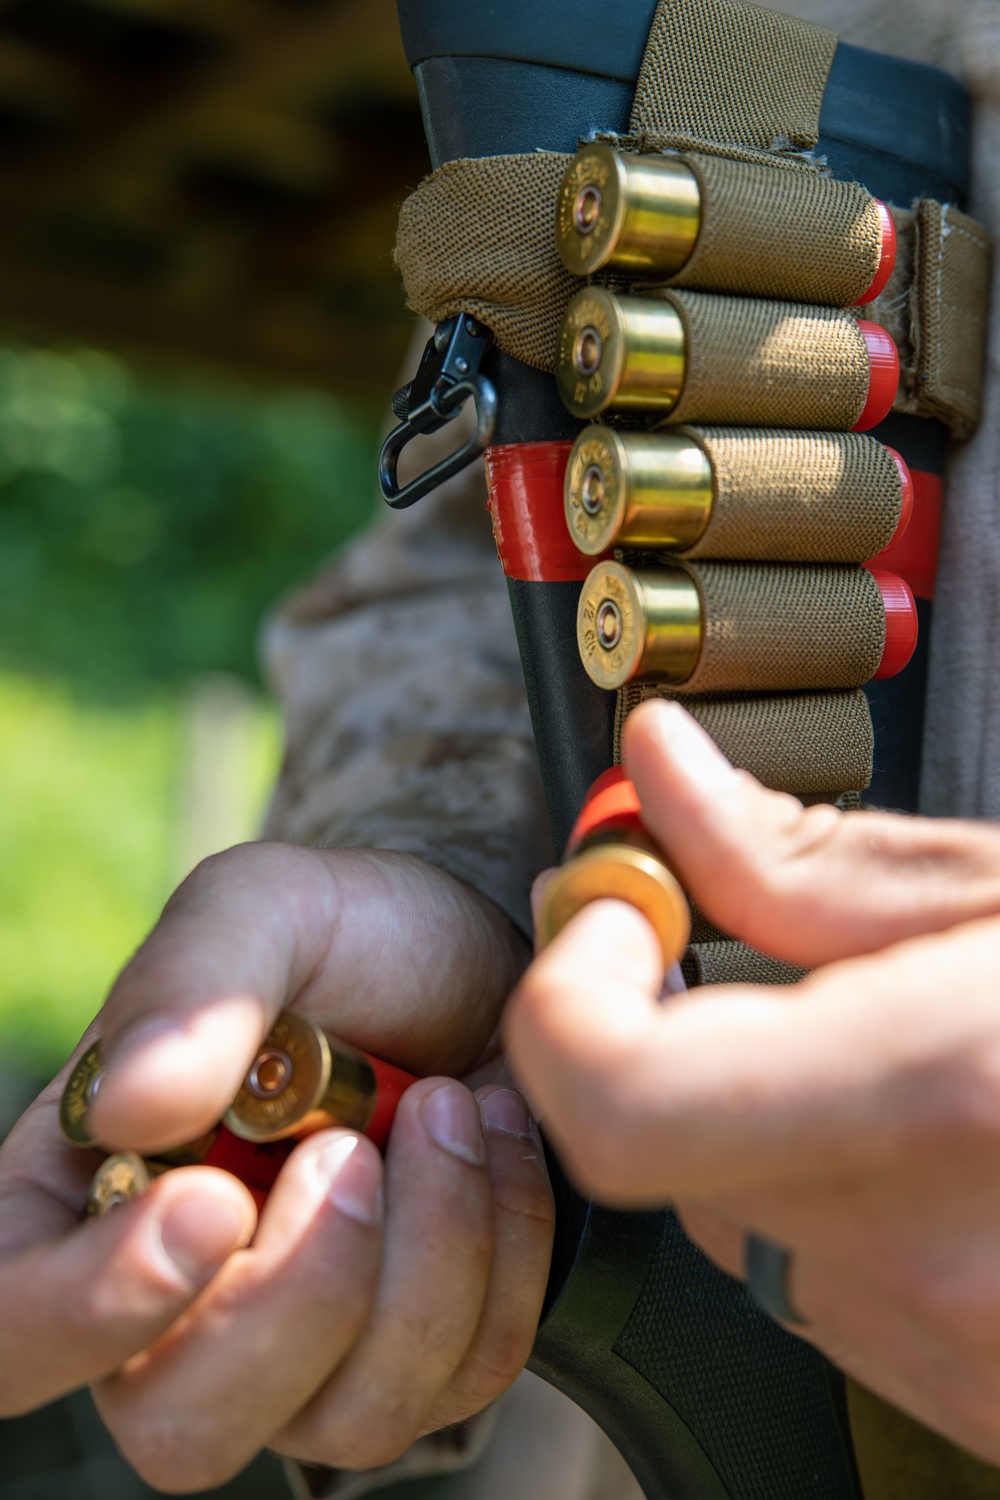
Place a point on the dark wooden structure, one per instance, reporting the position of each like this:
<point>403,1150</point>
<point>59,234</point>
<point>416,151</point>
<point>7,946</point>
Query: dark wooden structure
<point>210,181</point>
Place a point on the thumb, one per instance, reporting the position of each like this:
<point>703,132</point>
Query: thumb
<point>74,1308</point>
<point>807,885</point>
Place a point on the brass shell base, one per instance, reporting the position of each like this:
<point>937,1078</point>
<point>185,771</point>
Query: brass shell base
<point>118,1180</point>
<point>327,1084</point>
<point>74,1106</point>
<point>620,873</point>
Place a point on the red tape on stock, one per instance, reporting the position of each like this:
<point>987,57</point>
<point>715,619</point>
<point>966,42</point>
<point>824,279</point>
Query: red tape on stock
<point>913,551</point>
<point>529,521</point>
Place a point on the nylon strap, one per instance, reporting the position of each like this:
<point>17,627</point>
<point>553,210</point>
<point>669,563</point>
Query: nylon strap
<point>779,628</point>
<point>805,743</point>
<point>900,1460</point>
<point>802,237</point>
<point>780,364</point>
<point>797,496</point>
<point>734,963</point>
<point>695,78</point>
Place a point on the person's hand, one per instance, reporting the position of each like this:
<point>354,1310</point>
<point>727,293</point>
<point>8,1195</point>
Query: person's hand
<point>374,1303</point>
<point>853,1118</point>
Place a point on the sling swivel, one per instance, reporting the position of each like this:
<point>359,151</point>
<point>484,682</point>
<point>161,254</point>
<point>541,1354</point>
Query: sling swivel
<point>447,376</point>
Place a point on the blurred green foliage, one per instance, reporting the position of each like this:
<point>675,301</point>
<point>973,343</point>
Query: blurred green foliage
<point>144,530</point>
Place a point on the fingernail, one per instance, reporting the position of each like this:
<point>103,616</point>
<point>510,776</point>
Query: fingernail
<point>353,1178</point>
<point>199,1235</point>
<point>506,1113</point>
<point>452,1120</point>
<point>538,886</point>
<point>130,1043</point>
<point>692,749</point>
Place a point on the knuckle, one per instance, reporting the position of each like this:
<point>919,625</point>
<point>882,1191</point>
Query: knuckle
<point>355,1437</point>
<point>173,1459</point>
<point>530,1200</point>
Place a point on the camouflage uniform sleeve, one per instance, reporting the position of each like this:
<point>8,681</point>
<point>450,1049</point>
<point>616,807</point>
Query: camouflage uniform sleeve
<point>406,719</point>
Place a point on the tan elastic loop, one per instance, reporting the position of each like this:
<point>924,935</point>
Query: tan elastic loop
<point>779,628</point>
<point>952,294</point>
<point>791,235</point>
<point>804,743</point>
<point>900,1460</point>
<point>477,237</point>
<point>797,496</point>
<point>769,364</point>
<point>730,72</point>
<point>935,307</point>
<point>734,963</point>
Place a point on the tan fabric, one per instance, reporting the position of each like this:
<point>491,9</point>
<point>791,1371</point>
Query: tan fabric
<point>790,235</point>
<point>735,963</point>
<point>804,743</point>
<point>797,496</point>
<point>935,307</point>
<point>785,629</point>
<point>477,236</point>
<point>951,292</point>
<point>769,364</point>
<point>732,72</point>
<point>900,1460</point>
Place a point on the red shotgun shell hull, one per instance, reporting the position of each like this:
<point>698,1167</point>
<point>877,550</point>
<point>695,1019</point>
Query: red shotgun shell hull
<point>900,624</point>
<point>887,257</point>
<point>883,376</point>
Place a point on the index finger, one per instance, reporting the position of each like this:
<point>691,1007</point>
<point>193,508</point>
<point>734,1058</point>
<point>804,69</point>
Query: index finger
<point>736,1088</point>
<point>804,884</point>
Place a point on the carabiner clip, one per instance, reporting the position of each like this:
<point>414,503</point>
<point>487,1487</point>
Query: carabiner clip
<point>448,376</point>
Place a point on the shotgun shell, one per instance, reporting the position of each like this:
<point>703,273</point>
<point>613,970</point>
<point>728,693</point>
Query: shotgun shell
<point>636,490</point>
<point>647,623</point>
<point>81,1087</point>
<point>611,856</point>
<point>304,1080</point>
<point>255,1163</point>
<point>638,624</point>
<point>653,490</point>
<point>118,1180</point>
<point>638,214</point>
<point>901,623</point>
<point>641,215</point>
<point>628,354</point>
<point>620,352</point>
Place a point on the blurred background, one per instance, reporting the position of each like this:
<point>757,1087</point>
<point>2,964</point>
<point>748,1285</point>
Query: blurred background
<point>199,326</point>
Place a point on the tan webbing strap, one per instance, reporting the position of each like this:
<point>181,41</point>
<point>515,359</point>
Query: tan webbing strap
<point>477,237</point>
<point>949,323</point>
<point>734,963</point>
<point>801,237</point>
<point>805,743</point>
<point>900,1460</point>
<point>797,496</point>
<point>778,628</point>
<point>935,307</point>
<point>723,71</point>
<point>781,364</point>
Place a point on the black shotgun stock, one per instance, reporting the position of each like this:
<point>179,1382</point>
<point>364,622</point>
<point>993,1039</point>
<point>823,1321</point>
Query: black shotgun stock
<point>705,1396</point>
